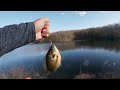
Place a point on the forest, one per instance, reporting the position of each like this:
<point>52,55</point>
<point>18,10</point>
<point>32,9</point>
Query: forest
<point>108,32</point>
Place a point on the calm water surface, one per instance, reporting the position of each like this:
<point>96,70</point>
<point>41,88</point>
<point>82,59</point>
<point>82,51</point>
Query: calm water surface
<point>101,59</point>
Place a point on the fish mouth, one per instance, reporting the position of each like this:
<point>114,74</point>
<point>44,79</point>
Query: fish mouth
<point>53,47</point>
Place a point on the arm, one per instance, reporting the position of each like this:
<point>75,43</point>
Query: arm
<point>14,36</point>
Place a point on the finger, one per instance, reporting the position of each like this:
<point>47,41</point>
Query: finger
<point>47,21</point>
<point>46,27</point>
<point>45,35</point>
<point>47,24</point>
<point>45,31</point>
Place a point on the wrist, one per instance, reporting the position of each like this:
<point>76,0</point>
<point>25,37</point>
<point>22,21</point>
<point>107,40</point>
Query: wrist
<point>32,32</point>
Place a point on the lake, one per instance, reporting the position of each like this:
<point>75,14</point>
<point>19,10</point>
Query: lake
<point>80,60</point>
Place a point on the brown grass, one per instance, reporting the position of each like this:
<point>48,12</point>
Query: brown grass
<point>20,73</point>
<point>84,76</point>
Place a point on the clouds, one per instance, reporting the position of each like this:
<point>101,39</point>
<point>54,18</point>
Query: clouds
<point>76,11</point>
<point>62,13</point>
<point>81,13</point>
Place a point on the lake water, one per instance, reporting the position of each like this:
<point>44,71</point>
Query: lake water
<point>95,60</point>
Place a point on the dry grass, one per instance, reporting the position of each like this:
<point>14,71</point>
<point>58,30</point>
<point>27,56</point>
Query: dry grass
<point>84,76</point>
<point>20,73</point>
<point>111,75</point>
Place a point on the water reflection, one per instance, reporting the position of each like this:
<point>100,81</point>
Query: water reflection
<point>107,45</point>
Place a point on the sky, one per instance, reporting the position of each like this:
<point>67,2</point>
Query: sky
<point>62,20</point>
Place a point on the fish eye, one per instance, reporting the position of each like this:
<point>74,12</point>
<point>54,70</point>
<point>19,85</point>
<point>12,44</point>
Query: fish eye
<point>53,56</point>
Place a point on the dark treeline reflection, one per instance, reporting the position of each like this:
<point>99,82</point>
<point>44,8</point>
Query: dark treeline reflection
<point>107,45</point>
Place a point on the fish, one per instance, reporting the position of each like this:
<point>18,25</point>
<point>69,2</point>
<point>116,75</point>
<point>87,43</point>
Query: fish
<point>52,59</point>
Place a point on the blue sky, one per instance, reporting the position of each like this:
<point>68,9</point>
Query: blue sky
<point>62,20</point>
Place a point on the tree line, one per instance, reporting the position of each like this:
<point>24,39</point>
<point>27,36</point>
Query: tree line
<point>108,32</point>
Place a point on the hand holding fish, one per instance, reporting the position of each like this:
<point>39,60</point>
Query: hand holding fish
<point>41,28</point>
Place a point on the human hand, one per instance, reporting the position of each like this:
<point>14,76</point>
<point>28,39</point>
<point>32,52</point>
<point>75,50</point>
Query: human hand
<point>41,28</point>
